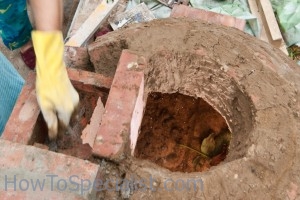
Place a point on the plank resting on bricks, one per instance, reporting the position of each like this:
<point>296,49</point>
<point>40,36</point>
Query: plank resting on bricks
<point>270,18</point>
<point>93,22</point>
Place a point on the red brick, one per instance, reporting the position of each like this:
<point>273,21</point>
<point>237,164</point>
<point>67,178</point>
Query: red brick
<point>25,115</point>
<point>118,131</point>
<point>30,163</point>
<point>137,117</point>
<point>20,125</point>
<point>36,195</point>
<point>78,57</point>
<point>240,24</point>
<point>80,77</point>
<point>211,17</point>
<point>227,20</point>
<point>89,133</point>
<point>41,146</point>
<point>194,13</point>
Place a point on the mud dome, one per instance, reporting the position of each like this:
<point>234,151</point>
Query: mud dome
<point>251,84</point>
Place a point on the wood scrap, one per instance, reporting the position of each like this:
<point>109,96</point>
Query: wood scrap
<point>92,23</point>
<point>89,134</point>
<point>265,34</point>
<point>266,7</point>
<point>84,8</point>
<point>70,8</point>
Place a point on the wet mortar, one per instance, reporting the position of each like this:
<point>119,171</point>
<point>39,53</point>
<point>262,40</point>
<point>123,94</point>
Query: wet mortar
<point>173,125</point>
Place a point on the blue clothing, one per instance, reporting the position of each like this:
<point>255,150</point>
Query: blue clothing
<point>15,26</point>
<point>11,84</point>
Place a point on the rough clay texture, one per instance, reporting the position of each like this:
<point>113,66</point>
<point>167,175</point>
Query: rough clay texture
<point>174,123</point>
<point>253,85</point>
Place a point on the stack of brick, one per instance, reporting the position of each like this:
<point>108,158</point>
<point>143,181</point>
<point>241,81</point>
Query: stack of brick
<point>212,17</point>
<point>29,171</point>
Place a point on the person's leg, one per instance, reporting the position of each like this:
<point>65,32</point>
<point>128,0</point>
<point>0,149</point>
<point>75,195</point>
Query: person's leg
<point>15,26</point>
<point>11,84</point>
<point>15,29</point>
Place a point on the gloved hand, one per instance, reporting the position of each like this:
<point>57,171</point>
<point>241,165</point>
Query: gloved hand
<point>55,94</point>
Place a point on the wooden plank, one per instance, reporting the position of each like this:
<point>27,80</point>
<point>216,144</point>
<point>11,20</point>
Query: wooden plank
<point>93,22</point>
<point>255,11</point>
<point>265,33</point>
<point>75,18</point>
<point>84,9</point>
<point>266,7</point>
<point>70,8</point>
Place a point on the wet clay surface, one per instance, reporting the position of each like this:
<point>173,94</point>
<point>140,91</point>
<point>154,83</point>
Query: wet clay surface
<point>173,120</point>
<point>251,84</point>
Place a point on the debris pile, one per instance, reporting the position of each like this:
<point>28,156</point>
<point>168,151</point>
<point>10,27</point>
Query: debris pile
<point>260,19</point>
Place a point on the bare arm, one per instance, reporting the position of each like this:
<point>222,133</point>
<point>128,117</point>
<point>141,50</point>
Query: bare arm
<point>55,93</point>
<point>47,14</point>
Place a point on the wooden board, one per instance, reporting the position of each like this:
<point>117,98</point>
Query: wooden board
<point>266,7</point>
<point>92,23</point>
<point>83,11</point>
<point>70,8</point>
<point>265,33</point>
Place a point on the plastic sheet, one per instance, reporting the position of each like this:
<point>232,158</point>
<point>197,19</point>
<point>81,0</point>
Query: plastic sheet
<point>11,84</point>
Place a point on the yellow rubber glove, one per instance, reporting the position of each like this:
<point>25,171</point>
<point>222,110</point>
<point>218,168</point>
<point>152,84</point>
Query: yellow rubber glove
<point>55,94</point>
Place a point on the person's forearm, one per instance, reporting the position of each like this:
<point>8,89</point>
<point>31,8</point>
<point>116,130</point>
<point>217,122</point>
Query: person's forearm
<point>57,97</point>
<point>47,14</point>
